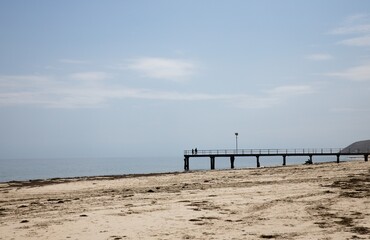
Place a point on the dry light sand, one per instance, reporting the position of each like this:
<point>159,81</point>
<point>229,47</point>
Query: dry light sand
<point>323,201</point>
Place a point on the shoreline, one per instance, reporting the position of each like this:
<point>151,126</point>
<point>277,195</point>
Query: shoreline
<point>65,168</point>
<point>56,180</point>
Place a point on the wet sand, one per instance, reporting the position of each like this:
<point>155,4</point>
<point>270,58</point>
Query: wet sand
<point>320,201</point>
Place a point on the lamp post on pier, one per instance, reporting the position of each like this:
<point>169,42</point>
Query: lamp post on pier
<point>236,142</point>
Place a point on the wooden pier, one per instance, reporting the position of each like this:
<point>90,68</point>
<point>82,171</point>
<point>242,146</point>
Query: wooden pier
<point>257,153</point>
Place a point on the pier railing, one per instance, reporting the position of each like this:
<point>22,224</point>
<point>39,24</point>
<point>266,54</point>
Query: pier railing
<point>268,151</point>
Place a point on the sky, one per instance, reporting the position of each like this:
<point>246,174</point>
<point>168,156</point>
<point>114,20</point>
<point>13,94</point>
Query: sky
<point>89,78</point>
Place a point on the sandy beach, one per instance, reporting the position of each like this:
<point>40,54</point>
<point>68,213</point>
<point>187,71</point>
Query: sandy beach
<point>320,201</point>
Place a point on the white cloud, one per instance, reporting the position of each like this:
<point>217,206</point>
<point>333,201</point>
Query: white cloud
<point>291,90</point>
<point>163,68</point>
<point>354,24</point>
<point>359,27</point>
<point>356,29</point>
<point>358,73</point>
<point>54,93</point>
<point>319,57</point>
<point>358,41</point>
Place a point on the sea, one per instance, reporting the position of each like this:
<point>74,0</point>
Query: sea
<point>46,168</point>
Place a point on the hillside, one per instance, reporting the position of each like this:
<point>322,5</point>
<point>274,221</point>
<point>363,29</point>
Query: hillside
<point>360,146</point>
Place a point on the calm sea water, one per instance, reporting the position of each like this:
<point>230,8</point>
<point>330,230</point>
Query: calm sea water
<point>26,169</point>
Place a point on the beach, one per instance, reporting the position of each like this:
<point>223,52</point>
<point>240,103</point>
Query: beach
<point>319,201</point>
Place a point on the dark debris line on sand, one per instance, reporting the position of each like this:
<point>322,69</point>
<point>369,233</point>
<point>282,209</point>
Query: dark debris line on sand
<point>355,186</point>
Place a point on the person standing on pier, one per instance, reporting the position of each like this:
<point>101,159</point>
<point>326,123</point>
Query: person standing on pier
<point>196,150</point>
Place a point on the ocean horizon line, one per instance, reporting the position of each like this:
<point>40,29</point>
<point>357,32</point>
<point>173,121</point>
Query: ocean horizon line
<point>34,169</point>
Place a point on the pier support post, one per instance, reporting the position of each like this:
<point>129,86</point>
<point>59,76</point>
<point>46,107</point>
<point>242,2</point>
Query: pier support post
<point>232,159</point>
<point>284,160</point>
<point>212,162</point>
<point>338,158</point>
<point>366,157</point>
<point>258,161</point>
<point>186,163</point>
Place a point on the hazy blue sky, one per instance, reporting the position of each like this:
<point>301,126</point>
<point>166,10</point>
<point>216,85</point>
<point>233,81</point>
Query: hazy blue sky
<point>140,78</point>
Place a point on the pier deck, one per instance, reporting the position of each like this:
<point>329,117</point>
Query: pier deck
<point>284,153</point>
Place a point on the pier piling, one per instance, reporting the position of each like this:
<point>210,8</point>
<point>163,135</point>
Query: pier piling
<point>212,162</point>
<point>186,163</point>
<point>232,159</point>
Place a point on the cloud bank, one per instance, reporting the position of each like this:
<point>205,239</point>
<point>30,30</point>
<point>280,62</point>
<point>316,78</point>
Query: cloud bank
<point>357,42</point>
<point>358,73</point>
<point>357,26</point>
<point>53,92</point>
